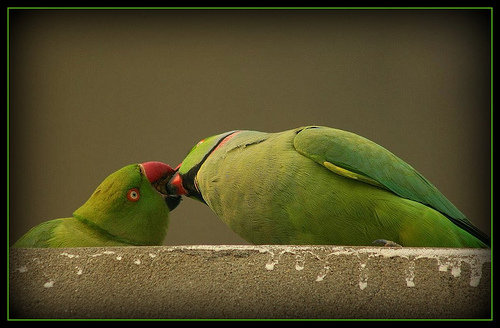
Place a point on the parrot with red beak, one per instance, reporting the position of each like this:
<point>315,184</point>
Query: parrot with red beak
<point>319,185</point>
<point>125,210</point>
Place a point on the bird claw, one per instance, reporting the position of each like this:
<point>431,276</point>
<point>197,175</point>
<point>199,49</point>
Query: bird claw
<point>386,243</point>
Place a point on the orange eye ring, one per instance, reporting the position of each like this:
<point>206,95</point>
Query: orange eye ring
<point>133,195</point>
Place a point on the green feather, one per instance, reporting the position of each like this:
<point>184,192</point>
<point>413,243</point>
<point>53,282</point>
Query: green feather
<point>318,185</point>
<point>108,217</point>
<point>372,161</point>
<point>40,235</point>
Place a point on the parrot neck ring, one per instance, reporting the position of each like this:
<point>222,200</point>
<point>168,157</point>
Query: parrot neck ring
<point>186,184</point>
<point>104,232</point>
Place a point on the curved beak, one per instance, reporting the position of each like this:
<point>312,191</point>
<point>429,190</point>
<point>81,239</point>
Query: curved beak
<point>158,174</point>
<point>172,201</point>
<point>156,170</point>
<point>175,187</point>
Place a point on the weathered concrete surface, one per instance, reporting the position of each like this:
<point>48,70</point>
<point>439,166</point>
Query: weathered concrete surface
<point>249,282</point>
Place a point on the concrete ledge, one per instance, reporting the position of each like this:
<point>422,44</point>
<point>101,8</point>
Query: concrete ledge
<point>249,282</point>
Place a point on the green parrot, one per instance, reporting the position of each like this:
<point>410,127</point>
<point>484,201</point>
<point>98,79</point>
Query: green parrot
<point>126,209</point>
<point>319,185</point>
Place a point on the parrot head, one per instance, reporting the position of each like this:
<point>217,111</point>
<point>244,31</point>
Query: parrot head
<point>127,205</point>
<point>184,182</point>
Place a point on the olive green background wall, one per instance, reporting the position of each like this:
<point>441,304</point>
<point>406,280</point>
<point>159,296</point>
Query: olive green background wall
<point>94,90</point>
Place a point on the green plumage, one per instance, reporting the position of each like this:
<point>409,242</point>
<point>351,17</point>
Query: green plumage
<point>319,185</point>
<point>125,209</point>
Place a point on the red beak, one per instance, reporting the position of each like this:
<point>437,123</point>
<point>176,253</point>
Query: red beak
<point>156,170</point>
<point>175,185</point>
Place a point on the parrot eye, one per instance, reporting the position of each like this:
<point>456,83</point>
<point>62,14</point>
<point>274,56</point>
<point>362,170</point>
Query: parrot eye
<point>133,195</point>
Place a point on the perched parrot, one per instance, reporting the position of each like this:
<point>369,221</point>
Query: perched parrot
<point>125,209</point>
<point>319,185</point>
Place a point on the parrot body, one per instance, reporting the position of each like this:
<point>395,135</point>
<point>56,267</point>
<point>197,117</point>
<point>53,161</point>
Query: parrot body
<point>124,210</point>
<point>319,185</point>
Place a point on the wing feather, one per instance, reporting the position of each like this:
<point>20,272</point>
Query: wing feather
<point>356,157</point>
